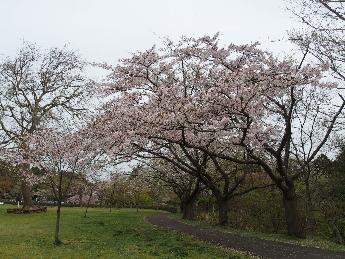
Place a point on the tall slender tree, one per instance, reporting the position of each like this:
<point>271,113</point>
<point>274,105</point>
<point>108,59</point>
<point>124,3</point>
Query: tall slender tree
<point>63,158</point>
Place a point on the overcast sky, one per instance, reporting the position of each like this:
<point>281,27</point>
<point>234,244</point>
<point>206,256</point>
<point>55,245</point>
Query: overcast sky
<point>106,30</point>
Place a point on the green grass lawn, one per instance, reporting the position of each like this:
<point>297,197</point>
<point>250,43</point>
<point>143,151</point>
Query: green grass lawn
<point>123,233</point>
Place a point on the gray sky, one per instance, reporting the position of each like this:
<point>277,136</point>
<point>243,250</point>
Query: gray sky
<point>106,30</point>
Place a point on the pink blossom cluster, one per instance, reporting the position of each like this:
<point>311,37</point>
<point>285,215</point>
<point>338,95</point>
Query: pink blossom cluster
<point>201,95</point>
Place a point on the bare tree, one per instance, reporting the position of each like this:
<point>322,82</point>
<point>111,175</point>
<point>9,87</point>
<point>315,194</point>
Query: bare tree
<point>322,39</point>
<point>38,88</point>
<point>323,36</point>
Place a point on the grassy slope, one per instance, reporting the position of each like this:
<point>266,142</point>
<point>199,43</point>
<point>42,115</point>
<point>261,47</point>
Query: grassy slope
<point>309,241</point>
<point>120,234</point>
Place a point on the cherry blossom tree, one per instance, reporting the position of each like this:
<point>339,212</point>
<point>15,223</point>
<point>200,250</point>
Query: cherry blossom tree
<point>225,179</point>
<point>187,187</point>
<point>63,158</point>
<point>234,103</point>
<point>125,137</point>
<point>39,89</point>
<point>93,186</point>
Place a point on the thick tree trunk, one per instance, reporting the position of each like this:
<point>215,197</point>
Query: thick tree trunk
<point>188,208</point>
<point>57,240</point>
<point>223,209</point>
<point>27,196</point>
<point>295,224</point>
<point>181,207</point>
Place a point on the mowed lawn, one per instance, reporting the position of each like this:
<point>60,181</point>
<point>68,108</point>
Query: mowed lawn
<point>123,233</point>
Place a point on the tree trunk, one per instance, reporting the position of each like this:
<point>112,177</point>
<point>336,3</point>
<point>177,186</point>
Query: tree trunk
<point>181,207</point>
<point>57,240</point>
<point>27,196</point>
<point>88,203</point>
<point>188,208</point>
<point>311,221</point>
<point>223,209</point>
<point>336,233</point>
<point>80,199</point>
<point>295,225</point>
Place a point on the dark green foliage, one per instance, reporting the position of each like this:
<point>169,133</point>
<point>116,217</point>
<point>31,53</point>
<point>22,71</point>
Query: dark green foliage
<point>330,194</point>
<point>9,188</point>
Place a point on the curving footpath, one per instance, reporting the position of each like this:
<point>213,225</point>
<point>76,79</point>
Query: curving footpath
<point>255,246</point>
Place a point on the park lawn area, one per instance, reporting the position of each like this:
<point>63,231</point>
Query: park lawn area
<point>122,233</point>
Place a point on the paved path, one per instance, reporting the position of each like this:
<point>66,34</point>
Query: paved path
<point>255,246</point>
